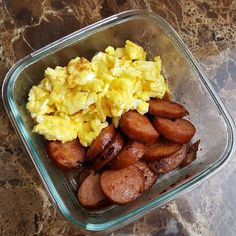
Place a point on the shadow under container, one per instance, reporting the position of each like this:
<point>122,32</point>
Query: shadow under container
<point>188,85</point>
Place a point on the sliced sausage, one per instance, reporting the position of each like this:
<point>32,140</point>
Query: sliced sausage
<point>129,155</point>
<point>90,194</point>
<point>169,163</point>
<point>161,149</point>
<point>100,143</point>
<point>166,109</point>
<point>179,131</point>
<point>111,151</point>
<point>122,186</point>
<point>153,166</point>
<point>149,176</point>
<point>191,155</point>
<point>84,173</point>
<point>66,156</point>
<point>138,127</point>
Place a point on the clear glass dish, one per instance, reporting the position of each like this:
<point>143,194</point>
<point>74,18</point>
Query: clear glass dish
<point>188,84</point>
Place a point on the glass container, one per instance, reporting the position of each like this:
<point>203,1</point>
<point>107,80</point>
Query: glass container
<point>187,82</point>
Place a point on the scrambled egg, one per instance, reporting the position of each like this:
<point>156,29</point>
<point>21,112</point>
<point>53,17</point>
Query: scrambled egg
<point>74,101</point>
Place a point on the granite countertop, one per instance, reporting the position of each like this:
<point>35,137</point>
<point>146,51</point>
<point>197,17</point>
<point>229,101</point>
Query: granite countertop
<point>209,30</point>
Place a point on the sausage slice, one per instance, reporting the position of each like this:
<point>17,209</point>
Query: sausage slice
<point>166,109</point>
<point>153,166</point>
<point>90,194</point>
<point>191,155</point>
<point>169,163</point>
<point>129,155</point>
<point>111,151</point>
<point>84,173</point>
<point>161,149</point>
<point>179,131</point>
<point>122,186</point>
<point>149,177</point>
<point>100,143</point>
<point>66,156</point>
<point>138,127</point>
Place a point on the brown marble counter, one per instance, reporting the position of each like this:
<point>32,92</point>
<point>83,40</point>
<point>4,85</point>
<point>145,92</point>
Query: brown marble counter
<point>209,30</point>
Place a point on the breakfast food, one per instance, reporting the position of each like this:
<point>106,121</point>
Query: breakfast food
<point>81,96</point>
<point>67,156</point>
<point>149,176</point>
<point>129,155</point>
<point>162,148</point>
<point>102,140</point>
<point>133,163</point>
<point>111,151</point>
<point>166,109</point>
<point>191,154</point>
<point>90,193</point>
<point>113,116</point>
<point>123,186</point>
<point>173,161</point>
<point>138,127</point>
<point>179,131</point>
<point>84,173</point>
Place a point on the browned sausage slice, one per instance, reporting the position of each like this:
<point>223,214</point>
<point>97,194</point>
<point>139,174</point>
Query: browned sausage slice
<point>179,131</point>
<point>138,127</point>
<point>90,194</point>
<point>111,151</point>
<point>100,143</point>
<point>161,149</point>
<point>122,186</point>
<point>129,155</point>
<point>166,109</point>
<point>66,156</point>
<point>169,163</point>
<point>149,177</point>
<point>191,155</point>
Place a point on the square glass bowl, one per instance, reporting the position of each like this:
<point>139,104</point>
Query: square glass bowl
<point>188,84</point>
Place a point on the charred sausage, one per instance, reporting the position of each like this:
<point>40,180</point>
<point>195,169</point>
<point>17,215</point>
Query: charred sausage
<point>66,156</point>
<point>129,155</point>
<point>100,143</point>
<point>122,186</point>
<point>138,127</point>
<point>166,109</point>
<point>90,194</point>
<point>149,177</point>
<point>179,131</point>
<point>191,154</point>
<point>161,149</point>
<point>111,151</point>
<point>169,163</point>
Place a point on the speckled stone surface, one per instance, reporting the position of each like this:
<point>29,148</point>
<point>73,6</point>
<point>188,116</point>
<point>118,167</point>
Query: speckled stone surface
<point>209,30</point>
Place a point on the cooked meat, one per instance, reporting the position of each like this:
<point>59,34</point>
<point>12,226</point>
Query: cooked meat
<point>101,142</point>
<point>138,127</point>
<point>122,186</point>
<point>179,131</point>
<point>66,156</point>
<point>129,155</point>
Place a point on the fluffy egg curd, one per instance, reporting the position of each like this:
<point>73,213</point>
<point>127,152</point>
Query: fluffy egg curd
<point>75,100</point>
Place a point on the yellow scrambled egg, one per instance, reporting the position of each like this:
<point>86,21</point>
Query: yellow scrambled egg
<point>74,101</point>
